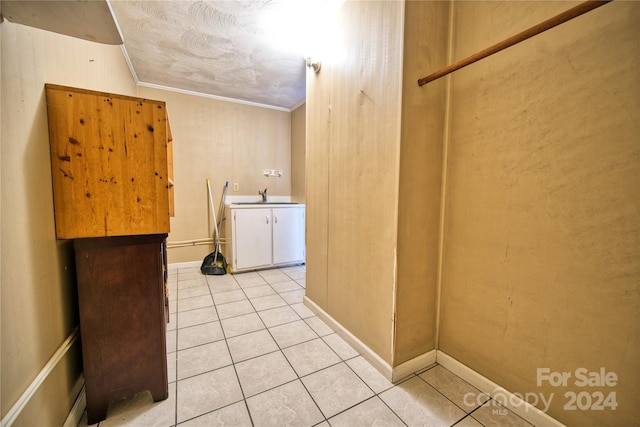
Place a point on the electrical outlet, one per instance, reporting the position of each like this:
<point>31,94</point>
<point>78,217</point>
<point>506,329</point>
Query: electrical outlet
<point>236,186</point>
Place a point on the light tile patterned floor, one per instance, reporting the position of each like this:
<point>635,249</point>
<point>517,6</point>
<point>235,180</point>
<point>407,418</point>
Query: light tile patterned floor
<point>244,351</point>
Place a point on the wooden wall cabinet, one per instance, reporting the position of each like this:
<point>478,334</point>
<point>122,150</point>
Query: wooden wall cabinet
<point>172,211</point>
<point>112,173</point>
<point>109,163</point>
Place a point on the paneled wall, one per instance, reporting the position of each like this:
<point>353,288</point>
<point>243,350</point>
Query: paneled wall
<point>536,261</point>
<point>423,123</point>
<point>39,308</point>
<point>298,153</point>
<point>318,115</point>
<point>374,177</point>
<point>542,239</point>
<point>353,132</point>
<point>222,141</point>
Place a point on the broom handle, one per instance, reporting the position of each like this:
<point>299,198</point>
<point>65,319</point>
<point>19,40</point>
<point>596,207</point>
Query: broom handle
<point>216,238</point>
<point>224,197</point>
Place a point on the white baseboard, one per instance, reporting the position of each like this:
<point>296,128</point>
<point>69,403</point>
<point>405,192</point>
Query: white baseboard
<point>188,264</point>
<point>414,365</point>
<point>512,402</point>
<point>515,404</point>
<point>392,374</point>
<point>80,405</point>
<point>14,412</point>
<point>383,367</point>
<point>502,396</point>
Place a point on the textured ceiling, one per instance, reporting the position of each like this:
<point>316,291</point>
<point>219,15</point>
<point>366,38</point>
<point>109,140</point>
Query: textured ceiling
<point>218,48</point>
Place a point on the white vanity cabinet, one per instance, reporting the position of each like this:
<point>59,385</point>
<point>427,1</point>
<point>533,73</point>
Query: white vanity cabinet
<point>264,237</point>
<point>251,238</point>
<point>288,235</point>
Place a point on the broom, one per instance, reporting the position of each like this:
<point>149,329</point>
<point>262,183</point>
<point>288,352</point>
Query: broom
<point>214,263</point>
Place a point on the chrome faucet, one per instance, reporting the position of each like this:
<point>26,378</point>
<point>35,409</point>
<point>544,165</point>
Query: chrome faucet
<point>263,193</point>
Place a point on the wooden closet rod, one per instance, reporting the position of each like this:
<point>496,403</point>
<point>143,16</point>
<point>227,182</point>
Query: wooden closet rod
<point>535,30</point>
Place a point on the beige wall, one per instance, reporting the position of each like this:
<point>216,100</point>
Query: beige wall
<point>540,160</point>
<point>353,131</point>
<point>39,308</point>
<point>369,188</point>
<point>542,254</point>
<point>423,120</point>
<point>317,184</point>
<point>298,153</point>
<point>542,259</point>
<point>212,139</point>
<point>222,141</point>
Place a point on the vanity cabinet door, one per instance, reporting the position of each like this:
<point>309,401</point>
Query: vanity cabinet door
<point>252,238</point>
<point>288,235</point>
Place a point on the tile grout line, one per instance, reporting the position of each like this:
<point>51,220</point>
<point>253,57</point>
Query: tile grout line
<point>298,377</point>
<point>375,394</point>
<point>245,398</point>
<point>439,391</point>
<point>281,350</point>
<point>233,363</point>
<point>175,404</point>
<point>341,361</point>
<point>466,414</point>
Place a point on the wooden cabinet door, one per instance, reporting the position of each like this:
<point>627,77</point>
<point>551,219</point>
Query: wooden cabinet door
<point>108,163</point>
<point>252,238</point>
<point>288,235</point>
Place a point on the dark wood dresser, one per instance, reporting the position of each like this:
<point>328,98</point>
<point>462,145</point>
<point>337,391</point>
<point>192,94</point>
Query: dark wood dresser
<point>123,313</point>
<point>112,182</point>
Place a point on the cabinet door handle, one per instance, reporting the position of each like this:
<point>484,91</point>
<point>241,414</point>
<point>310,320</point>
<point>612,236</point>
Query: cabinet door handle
<point>267,218</point>
<point>275,219</point>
